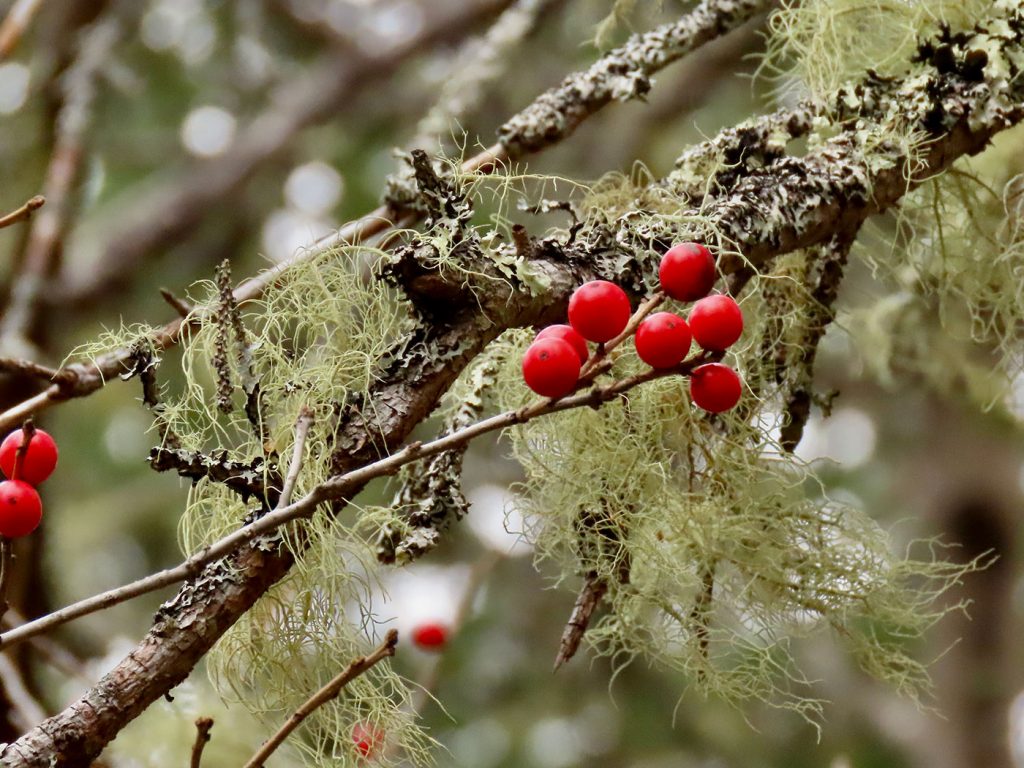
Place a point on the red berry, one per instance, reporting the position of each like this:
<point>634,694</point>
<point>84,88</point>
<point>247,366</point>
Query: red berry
<point>430,637</point>
<point>715,387</point>
<point>599,310</point>
<point>687,272</point>
<point>39,461</point>
<point>20,509</point>
<point>716,322</point>
<point>551,367</point>
<point>367,738</point>
<point>566,333</point>
<point>662,340</point>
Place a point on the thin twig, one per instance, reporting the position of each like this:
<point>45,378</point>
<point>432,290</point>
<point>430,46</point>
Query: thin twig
<point>182,307</point>
<point>336,488</point>
<point>24,212</point>
<point>28,369</point>
<point>302,426</point>
<point>328,693</point>
<point>203,727</point>
<point>15,24</point>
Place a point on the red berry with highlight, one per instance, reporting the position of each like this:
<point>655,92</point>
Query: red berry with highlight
<point>367,739</point>
<point>551,367</point>
<point>715,387</point>
<point>566,333</point>
<point>430,637</point>
<point>39,461</point>
<point>599,310</point>
<point>716,322</point>
<point>20,509</point>
<point>662,340</point>
<point>687,272</point>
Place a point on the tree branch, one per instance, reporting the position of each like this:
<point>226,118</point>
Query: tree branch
<point>86,379</point>
<point>203,727</point>
<point>23,212</point>
<point>793,203</point>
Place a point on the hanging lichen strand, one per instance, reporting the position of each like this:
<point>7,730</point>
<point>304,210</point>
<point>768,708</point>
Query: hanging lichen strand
<point>715,548</point>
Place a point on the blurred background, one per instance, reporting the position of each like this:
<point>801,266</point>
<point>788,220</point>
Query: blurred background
<point>188,131</point>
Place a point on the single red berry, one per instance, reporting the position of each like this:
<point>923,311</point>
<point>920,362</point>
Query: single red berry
<point>566,333</point>
<point>662,340</point>
<point>715,387</point>
<point>20,509</point>
<point>367,739</point>
<point>716,322</point>
<point>39,461</point>
<point>687,272</point>
<point>599,310</point>
<point>430,637</point>
<point>551,367</point>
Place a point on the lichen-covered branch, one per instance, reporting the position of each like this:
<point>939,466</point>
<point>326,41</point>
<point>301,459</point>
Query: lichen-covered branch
<point>621,75</point>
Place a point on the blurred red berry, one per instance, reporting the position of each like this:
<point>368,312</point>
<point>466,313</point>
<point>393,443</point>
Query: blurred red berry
<point>367,739</point>
<point>662,340</point>
<point>39,461</point>
<point>715,387</point>
<point>20,509</point>
<point>687,272</point>
<point>566,333</point>
<point>716,322</point>
<point>599,310</point>
<point>430,637</point>
<point>551,367</point>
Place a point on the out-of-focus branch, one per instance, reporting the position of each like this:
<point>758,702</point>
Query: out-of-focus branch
<point>203,727</point>
<point>26,711</point>
<point>15,23</point>
<point>78,86</point>
<point>176,207</point>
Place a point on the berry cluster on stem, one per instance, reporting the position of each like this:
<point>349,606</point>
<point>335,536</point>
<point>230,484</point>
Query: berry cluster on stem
<point>559,362</point>
<point>28,456</point>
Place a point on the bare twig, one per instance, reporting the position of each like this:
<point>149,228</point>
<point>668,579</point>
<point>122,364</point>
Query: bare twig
<point>182,307</point>
<point>28,369</point>
<point>23,212</point>
<point>15,24</point>
<point>301,432</point>
<point>26,711</point>
<point>28,431</point>
<point>203,727</point>
<point>336,488</point>
<point>328,693</point>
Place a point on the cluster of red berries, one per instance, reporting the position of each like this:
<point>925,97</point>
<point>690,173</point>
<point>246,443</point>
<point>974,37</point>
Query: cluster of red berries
<point>599,311</point>
<point>21,509</point>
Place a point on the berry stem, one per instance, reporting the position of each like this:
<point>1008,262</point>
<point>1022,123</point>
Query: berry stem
<point>28,431</point>
<point>590,370</point>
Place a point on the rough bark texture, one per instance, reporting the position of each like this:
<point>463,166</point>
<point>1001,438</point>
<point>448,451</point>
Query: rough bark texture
<point>958,102</point>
